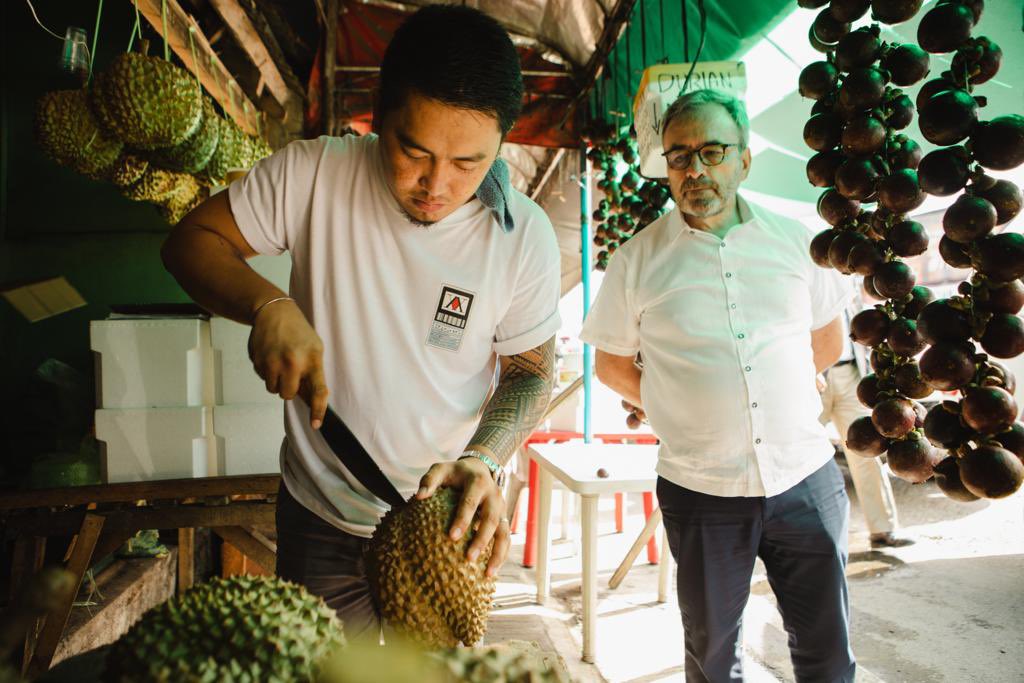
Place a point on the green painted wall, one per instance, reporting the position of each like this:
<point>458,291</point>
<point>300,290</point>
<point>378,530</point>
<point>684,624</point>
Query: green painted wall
<point>58,223</point>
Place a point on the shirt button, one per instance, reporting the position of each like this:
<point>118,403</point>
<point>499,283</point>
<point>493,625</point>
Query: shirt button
<point>722,245</point>
<point>747,368</point>
<point>740,335</point>
<point>753,405</point>
<point>728,274</point>
<point>757,440</point>
<point>732,306</point>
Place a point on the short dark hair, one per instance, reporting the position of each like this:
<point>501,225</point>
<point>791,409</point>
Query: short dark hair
<point>455,55</point>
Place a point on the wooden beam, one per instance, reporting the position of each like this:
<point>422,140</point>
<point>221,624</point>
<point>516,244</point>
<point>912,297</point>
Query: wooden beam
<point>330,64</point>
<point>614,25</point>
<point>544,173</point>
<point>256,514</point>
<point>79,559</point>
<point>129,492</point>
<point>249,39</point>
<point>27,559</point>
<point>257,548</point>
<point>213,75</point>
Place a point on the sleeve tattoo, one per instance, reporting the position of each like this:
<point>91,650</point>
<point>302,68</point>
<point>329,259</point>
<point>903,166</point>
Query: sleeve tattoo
<point>518,404</point>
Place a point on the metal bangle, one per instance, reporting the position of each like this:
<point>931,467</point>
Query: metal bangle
<point>267,303</point>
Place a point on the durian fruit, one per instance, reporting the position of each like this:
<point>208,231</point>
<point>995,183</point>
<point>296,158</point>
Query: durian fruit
<point>157,185</point>
<point>186,197</point>
<point>422,583</point>
<point>146,102</point>
<point>67,131</point>
<point>510,662</point>
<point>245,628</point>
<point>192,155</point>
<point>128,169</point>
<point>235,150</point>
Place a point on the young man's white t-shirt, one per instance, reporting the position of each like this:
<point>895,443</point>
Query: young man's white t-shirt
<point>412,318</point>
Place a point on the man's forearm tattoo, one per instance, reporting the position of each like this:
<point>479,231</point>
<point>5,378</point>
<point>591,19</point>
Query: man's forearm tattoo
<point>519,401</point>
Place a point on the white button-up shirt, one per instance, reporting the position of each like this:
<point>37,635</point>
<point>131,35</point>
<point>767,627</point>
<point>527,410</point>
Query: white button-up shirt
<point>724,330</point>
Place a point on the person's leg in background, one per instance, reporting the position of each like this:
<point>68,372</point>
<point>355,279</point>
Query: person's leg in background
<point>804,549</point>
<point>714,542</point>
<point>870,479</point>
<point>328,562</point>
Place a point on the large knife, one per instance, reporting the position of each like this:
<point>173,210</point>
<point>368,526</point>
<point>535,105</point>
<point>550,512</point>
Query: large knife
<point>354,456</point>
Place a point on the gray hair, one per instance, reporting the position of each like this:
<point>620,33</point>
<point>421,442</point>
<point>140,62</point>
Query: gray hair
<point>695,98</point>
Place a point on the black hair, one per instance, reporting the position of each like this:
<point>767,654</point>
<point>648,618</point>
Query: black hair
<point>456,55</point>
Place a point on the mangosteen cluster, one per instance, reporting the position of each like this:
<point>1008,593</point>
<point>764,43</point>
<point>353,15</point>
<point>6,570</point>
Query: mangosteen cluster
<point>974,446</point>
<point>630,202</point>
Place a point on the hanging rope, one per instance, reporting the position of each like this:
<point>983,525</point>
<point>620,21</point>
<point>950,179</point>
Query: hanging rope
<point>686,31</point>
<point>163,17</point>
<point>195,61</point>
<point>36,17</point>
<point>643,36</point>
<point>95,35</point>
<point>137,29</point>
<point>700,45</point>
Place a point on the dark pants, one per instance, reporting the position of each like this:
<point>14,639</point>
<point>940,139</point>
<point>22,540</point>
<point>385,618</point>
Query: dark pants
<point>328,562</point>
<point>800,535</point>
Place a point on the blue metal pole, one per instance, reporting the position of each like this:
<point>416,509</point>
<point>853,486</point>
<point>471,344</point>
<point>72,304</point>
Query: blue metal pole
<point>585,243</point>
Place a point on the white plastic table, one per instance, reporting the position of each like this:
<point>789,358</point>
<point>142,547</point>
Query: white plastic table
<point>629,469</point>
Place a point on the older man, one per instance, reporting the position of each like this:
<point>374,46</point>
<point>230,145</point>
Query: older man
<point>733,322</point>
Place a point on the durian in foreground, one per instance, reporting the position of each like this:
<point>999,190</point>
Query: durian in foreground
<point>244,628</point>
<point>423,585</point>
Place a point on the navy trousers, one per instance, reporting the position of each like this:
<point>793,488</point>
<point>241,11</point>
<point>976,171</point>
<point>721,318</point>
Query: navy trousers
<point>800,535</point>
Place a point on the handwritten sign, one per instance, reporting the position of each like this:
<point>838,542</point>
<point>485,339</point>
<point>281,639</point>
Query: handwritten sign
<point>660,86</point>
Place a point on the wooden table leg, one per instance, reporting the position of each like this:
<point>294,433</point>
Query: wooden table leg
<point>530,543</point>
<point>664,567</point>
<point>186,559</point>
<point>79,559</point>
<point>544,484</point>
<point>253,545</point>
<point>645,535</point>
<point>26,560</point>
<point>589,515</point>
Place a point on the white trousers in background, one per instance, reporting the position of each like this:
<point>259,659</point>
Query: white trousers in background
<point>870,480</point>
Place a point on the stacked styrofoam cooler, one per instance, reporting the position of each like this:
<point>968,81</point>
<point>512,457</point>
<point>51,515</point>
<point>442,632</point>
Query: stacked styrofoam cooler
<point>248,421</point>
<point>155,391</point>
<point>178,397</point>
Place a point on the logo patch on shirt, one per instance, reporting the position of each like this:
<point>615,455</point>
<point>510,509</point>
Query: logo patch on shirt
<point>450,318</point>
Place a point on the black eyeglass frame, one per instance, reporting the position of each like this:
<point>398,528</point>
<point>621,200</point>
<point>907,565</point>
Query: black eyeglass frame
<point>700,154</point>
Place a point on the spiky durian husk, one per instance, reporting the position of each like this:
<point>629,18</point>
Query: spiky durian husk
<point>70,135</point>
<point>245,628</point>
<point>147,102</point>
<point>235,151</point>
<point>128,169</point>
<point>186,197</point>
<point>512,662</point>
<point>423,585</point>
<point>157,185</point>
<point>192,155</point>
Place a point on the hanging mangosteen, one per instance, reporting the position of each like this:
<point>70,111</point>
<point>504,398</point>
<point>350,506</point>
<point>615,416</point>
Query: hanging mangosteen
<point>823,131</point>
<point>934,87</point>
<point>907,64</point>
<point>1004,336</point>
<point>827,29</point>
<point>858,48</point>
<point>990,471</point>
<point>947,366</point>
<point>912,459</point>
<point>894,279</point>
<point>834,208</point>
<point>1000,298</point>
<point>947,477</point>
<point>863,438</point>
<point>909,382</point>
<point>863,136</point>
<point>976,61</point>
<point>862,89</point>
<point>869,327</point>
<point>1004,195</point>
<point>944,171</point>
<point>893,417</point>
<point>897,109</point>
<point>902,152</point>
<point>948,117</point>
<point>817,80</point>
<point>943,427</point>
<point>968,219</point>
<point>865,258</point>
<point>1000,257</point>
<point>822,167</point>
<point>819,247</point>
<point>840,248</point>
<point>954,253</point>
<point>868,389</point>
<point>908,238</point>
<point>988,409</point>
<point>849,10</point>
<point>920,296</point>
<point>944,28</point>
<point>999,144</point>
<point>899,192</point>
<point>944,321</point>
<point>894,11</point>
<point>856,179</point>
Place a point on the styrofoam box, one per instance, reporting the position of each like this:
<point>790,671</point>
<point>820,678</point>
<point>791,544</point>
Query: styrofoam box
<point>235,378</point>
<point>141,444</point>
<point>152,363</point>
<point>249,437</point>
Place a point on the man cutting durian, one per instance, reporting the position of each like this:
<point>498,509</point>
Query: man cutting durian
<point>418,274</point>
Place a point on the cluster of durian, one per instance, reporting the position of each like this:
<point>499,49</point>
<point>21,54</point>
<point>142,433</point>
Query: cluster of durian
<point>145,126</point>
<point>240,629</point>
<point>423,585</point>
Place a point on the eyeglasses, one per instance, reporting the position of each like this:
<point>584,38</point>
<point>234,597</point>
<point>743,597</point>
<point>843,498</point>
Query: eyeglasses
<point>711,154</point>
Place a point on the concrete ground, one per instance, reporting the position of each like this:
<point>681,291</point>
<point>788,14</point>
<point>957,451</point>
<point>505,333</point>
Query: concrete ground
<point>948,609</point>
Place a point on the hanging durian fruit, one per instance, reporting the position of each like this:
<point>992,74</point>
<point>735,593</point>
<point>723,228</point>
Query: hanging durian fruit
<point>68,133</point>
<point>128,169</point>
<point>147,102</point>
<point>422,583</point>
<point>236,150</point>
<point>187,196</point>
<point>245,628</point>
<point>192,155</point>
<point>508,662</point>
<point>157,185</point>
